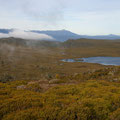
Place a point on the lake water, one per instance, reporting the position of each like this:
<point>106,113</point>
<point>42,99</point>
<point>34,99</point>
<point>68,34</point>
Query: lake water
<point>100,60</point>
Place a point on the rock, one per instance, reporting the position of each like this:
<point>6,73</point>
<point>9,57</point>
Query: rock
<point>115,79</point>
<point>53,81</point>
<point>21,87</point>
<point>111,73</point>
<point>32,82</point>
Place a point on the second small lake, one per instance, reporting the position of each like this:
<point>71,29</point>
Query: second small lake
<point>99,60</point>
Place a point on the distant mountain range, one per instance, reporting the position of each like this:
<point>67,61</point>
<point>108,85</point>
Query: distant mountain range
<point>5,31</point>
<point>63,35</point>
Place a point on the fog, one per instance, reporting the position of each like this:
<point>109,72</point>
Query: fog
<point>26,35</point>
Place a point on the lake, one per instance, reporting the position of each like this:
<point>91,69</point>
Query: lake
<point>99,60</point>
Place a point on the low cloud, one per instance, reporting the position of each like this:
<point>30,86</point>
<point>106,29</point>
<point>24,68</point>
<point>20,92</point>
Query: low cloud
<point>26,35</point>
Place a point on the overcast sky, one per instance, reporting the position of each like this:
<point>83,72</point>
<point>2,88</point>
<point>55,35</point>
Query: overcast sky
<point>90,17</point>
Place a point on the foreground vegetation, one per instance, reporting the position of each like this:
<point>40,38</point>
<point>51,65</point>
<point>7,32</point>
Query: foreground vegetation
<point>93,100</point>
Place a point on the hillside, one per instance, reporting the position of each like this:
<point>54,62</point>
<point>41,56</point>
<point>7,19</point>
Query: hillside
<point>29,43</point>
<point>36,85</point>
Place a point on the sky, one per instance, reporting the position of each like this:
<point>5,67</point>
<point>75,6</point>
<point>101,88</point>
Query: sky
<point>90,17</point>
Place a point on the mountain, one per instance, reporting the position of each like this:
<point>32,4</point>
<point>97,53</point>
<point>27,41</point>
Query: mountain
<point>60,35</point>
<point>109,37</point>
<point>5,31</point>
<point>63,35</point>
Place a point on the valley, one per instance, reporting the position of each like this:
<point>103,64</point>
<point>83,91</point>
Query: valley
<point>35,82</point>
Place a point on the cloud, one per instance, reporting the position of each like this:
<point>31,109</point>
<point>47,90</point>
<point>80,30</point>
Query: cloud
<point>49,12</point>
<point>26,35</point>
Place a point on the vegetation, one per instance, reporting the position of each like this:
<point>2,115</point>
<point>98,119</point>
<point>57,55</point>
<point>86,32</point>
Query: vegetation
<point>92,100</point>
<point>36,85</point>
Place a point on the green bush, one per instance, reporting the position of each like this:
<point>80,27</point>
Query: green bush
<point>91,100</point>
